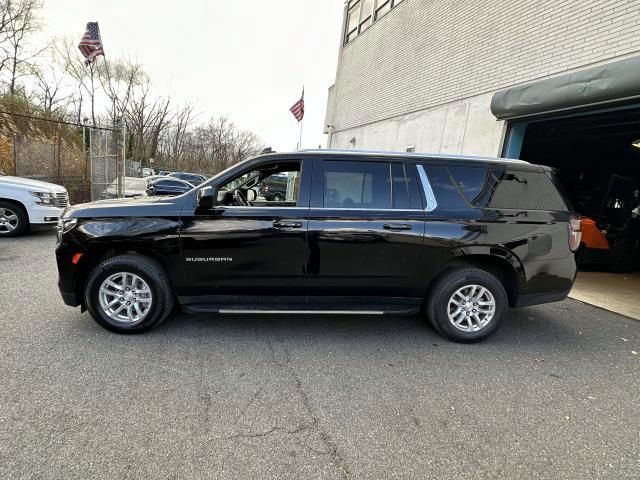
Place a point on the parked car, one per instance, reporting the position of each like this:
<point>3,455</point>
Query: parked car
<point>27,204</point>
<point>458,238</point>
<point>168,186</point>
<point>133,187</point>
<point>274,188</point>
<point>192,178</point>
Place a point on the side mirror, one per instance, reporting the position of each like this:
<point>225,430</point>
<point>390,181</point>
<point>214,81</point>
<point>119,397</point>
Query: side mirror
<point>205,197</point>
<point>251,195</point>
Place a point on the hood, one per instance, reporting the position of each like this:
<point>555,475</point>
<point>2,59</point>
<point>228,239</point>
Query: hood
<point>31,184</point>
<point>128,207</point>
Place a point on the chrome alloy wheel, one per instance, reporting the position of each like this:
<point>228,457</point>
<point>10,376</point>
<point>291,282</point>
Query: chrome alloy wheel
<point>471,308</point>
<point>8,220</point>
<point>125,297</point>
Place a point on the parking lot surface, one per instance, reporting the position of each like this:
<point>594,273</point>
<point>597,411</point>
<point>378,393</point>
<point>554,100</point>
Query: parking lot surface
<point>554,394</point>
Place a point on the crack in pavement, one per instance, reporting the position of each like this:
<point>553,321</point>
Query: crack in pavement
<point>332,448</point>
<point>273,429</point>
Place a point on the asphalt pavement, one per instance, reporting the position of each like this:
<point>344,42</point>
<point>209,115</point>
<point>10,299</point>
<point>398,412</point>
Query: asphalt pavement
<point>554,394</point>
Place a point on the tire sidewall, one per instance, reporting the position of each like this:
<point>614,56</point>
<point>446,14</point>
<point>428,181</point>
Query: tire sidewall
<point>438,305</point>
<point>23,219</point>
<point>92,300</point>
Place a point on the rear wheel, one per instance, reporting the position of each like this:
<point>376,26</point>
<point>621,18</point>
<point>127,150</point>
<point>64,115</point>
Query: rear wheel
<point>129,294</point>
<point>466,305</point>
<point>13,220</point>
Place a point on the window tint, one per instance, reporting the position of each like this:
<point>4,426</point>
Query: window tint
<point>357,185</point>
<point>170,183</point>
<point>446,193</point>
<point>519,189</point>
<point>400,187</point>
<point>414,188</point>
<point>470,180</point>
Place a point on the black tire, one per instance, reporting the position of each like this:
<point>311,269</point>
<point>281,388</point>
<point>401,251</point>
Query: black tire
<point>444,288</point>
<point>22,219</point>
<point>148,270</point>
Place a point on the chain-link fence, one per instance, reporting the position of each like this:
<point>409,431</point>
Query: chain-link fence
<point>87,161</point>
<point>103,159</point>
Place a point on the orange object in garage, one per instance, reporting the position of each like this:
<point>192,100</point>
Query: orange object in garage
<point>592,236</point>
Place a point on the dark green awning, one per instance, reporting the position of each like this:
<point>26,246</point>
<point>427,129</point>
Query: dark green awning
<point>609,83</point>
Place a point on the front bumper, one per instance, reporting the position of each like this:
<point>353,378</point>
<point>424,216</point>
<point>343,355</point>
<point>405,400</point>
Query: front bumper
<point>44,216</point>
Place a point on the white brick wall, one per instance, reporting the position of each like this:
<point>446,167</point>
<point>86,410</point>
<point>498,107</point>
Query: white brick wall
<point>426,53</point>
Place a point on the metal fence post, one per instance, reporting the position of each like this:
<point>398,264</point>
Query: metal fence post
<point>15,155</point>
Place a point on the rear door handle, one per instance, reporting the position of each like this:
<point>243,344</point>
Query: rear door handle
<point>278,224</point>
<point>397,226</point>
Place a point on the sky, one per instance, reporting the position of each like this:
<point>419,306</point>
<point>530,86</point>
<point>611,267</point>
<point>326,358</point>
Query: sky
<point>246,59</point>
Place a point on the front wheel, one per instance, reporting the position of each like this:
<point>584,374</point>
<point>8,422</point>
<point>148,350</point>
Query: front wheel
<point>466,305</point>
<point>13,220</point>
<point>129,294</point>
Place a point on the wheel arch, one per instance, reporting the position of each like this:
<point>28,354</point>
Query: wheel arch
<point>97,254</point>
<point>499,262</point>
<point>17,203</point>
<point>23,207</point>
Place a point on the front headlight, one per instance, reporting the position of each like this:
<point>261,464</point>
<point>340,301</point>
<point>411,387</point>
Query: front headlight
<point>66,224</point>
<point>43,198</point>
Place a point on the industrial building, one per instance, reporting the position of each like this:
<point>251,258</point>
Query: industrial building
<point>554,82</point>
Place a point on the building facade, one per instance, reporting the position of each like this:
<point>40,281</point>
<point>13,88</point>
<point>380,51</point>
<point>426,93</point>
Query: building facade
<point>421,75</point>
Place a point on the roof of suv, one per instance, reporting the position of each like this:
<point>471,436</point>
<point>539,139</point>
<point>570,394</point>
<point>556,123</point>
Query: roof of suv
<point>369,153</point>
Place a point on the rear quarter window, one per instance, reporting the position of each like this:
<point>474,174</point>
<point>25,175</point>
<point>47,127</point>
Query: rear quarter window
<point>505,188</point>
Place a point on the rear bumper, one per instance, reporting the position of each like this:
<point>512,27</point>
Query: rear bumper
<point>540,298</point>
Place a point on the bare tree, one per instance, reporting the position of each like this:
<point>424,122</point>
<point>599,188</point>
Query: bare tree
<point>121,80</point>
<point>84,76</point>
<point>20,17</point>
<point>49,87</point>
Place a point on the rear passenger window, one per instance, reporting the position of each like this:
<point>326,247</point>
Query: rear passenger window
<point>400,187</point>
<point>357,184</point>
<point>470,180</point>
<point>446,193</point>
<point>520,189</point>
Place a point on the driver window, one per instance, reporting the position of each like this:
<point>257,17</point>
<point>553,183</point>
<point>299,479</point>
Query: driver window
<point>276,184</point>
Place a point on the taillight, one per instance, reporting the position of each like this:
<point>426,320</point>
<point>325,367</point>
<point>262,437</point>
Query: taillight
<point>575,235</point>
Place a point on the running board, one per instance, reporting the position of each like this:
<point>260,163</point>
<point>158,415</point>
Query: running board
<point>204,308</point>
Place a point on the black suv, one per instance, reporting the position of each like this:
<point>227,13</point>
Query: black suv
<point>458,238</point>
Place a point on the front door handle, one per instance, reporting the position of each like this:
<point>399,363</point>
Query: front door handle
<point>279,224</point>
<point>397,226</point>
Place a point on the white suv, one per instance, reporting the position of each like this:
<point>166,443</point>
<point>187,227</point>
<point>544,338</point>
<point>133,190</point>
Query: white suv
<point>29,204</point>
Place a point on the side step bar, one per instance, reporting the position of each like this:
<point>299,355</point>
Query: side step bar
<point>204,308</point>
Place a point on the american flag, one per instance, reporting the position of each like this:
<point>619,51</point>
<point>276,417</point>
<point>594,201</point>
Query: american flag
<point>298,108</point>
<point>91,44</point>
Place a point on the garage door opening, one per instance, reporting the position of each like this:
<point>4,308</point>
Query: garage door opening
<point>597,159</point>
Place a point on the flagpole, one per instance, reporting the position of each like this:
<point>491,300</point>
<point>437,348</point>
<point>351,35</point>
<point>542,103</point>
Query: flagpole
<point>300,136</point>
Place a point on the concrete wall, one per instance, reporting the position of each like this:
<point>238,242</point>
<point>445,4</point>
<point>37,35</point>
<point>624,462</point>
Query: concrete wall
<point>461,127</point>
<point>438,58</point>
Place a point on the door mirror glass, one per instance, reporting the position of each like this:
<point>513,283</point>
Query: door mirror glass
<point>205,197</point>
<point>251,195</point>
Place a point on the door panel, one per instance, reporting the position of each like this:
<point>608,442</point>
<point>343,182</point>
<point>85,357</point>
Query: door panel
<point>358,253</point>
<point>245,250</point>
<point>369,250</point>
<point>259,249</point>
